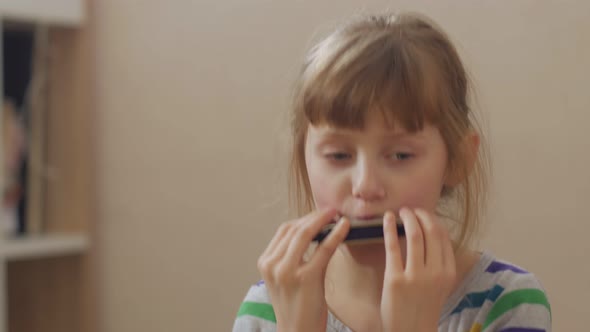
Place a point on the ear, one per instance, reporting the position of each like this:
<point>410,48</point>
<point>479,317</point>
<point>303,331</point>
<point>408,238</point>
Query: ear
<point>457,172</point>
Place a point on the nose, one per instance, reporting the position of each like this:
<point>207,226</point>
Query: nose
<point>367,184</point>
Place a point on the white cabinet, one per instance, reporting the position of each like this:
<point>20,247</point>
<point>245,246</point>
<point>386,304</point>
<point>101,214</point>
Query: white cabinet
<point>55,12</point>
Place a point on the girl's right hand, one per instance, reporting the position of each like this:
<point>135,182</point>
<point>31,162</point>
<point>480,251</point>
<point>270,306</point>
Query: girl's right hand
<point>296,286</point>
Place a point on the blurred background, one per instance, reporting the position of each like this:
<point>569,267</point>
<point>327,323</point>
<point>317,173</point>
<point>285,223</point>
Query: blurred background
<point>146,144</point>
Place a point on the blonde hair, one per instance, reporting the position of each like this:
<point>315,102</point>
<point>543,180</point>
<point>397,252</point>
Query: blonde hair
<point>406,68</point>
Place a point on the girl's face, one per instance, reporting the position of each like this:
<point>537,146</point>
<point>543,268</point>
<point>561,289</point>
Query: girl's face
<point>363,173</point>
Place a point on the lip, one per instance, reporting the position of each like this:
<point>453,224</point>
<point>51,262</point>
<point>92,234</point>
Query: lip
<point>368,217</point>
<point>361,217</point>
<point>357,220</point>
<point>364,217</point>
<point>373,217</point>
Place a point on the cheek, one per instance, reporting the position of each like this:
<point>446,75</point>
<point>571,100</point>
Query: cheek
<point>422,191</point>
<point>328,189</point>
<point>322,195</point>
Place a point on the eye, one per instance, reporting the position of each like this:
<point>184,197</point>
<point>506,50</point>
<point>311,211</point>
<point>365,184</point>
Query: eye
<point>401,156</point>
<point>338,156</point>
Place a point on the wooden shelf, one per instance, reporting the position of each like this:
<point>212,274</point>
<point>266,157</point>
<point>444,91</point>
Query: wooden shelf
<point>55,12</point>
<point>48,281</point>
<point>41,246</point>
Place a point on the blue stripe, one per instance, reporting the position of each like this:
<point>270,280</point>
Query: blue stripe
<point>499,266</point>
<point>476,300</point>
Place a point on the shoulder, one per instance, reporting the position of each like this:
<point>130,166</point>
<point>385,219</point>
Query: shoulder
<point>258,293</point>
<point>255,313</point>
<point>519,300</point>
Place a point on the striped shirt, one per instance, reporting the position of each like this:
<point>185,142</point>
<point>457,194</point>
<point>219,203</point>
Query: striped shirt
<point>494,296</point>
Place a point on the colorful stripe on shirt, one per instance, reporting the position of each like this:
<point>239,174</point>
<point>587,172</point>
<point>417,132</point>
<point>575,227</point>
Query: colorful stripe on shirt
<point>512,300</point>
<point>477,328</point>
<point>502,302</point>
<point>477,299</point>
<point>257,309</point>
<point>497,266</point>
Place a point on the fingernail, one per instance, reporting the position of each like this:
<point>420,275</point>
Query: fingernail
<point>388,216</point>
<point>404,210</point>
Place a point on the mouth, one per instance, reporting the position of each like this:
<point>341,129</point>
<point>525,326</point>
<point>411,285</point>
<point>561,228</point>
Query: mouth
<point>368,217</point>
<point>365,220</point>
<point>360,220</point>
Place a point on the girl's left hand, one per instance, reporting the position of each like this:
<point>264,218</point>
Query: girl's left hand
<point>414,294</point>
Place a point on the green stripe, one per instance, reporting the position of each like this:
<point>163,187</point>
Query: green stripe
<point>256,309</point>
<point>513,299</point>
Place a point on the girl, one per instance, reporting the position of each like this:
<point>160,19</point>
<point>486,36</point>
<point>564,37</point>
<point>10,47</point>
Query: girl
<point>382,127</point>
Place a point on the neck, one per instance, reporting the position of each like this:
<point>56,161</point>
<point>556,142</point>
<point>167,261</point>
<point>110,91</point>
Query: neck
<point>354,282</point>
<point>359,268</point>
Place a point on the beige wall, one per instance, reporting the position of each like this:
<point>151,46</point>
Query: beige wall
<point>192,145</point>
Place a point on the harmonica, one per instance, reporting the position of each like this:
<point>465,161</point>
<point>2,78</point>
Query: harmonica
<point>361,230</point>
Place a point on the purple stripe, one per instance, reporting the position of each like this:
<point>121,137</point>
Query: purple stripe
<point>498,266</point>
<point>521,329</point>
<point>260,282</point>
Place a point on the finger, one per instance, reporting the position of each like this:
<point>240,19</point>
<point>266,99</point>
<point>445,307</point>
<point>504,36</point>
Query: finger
<point>414,241</point>
<point>281,246</point>
<point>309,227</point>
<point>277,238</point>
<point>326,249</point>
<point>433,247</point>
<point>275,251</point>
<point>393,255</point>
